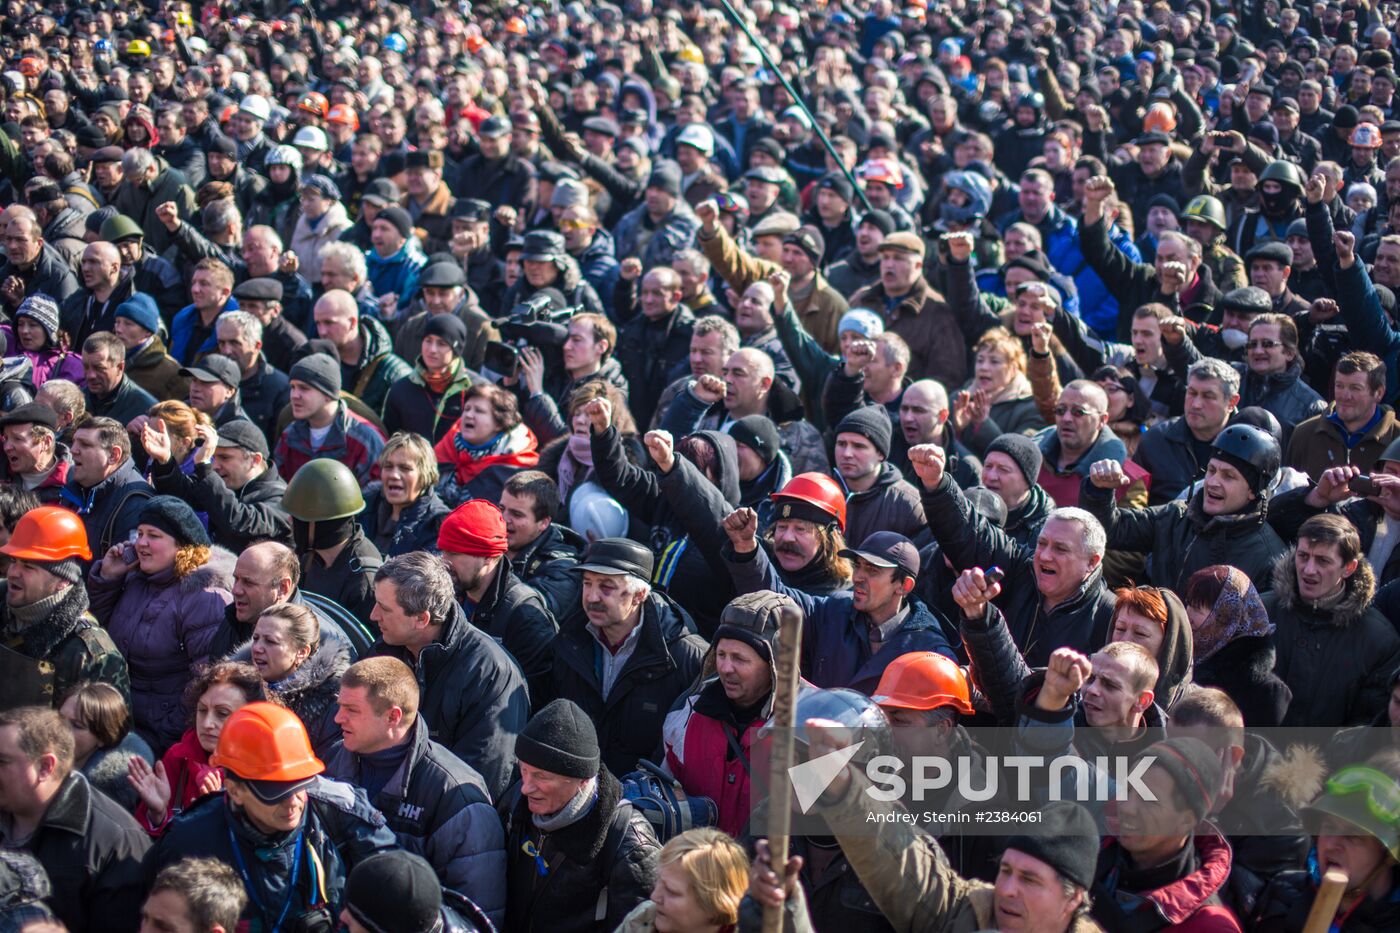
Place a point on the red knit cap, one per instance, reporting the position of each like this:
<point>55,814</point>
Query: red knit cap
<point>475,527</point>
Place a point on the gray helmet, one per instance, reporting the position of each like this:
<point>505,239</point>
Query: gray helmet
<point>856,711</point>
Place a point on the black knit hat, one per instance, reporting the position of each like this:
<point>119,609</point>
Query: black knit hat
<point>881,220</point>
<point>1194,769</point>
<point>399,218</point>
<point>1066,839</point>
<point>560,739</point>
<point>758,433</point>
<point>1021,449</point>
<point>174,517</point>
<point>394,892</point>
<point>450,329</point>
<point>872,423</point>
<point>320,371</point>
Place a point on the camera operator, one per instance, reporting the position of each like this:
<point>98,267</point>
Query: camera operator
<point>547,264</point>
<point>588,356</point>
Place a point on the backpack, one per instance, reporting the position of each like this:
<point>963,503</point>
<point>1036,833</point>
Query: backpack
<point>661,799</point>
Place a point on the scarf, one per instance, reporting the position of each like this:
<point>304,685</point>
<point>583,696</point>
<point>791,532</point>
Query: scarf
<point>438,383</point>
<point>573,811</point>
<point>491,446</point>
<point>514,448</point>
<point>577,463</point>
<point>1238,613</point>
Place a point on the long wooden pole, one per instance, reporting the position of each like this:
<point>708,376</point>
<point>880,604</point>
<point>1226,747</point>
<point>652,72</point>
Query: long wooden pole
<point>782,752</point>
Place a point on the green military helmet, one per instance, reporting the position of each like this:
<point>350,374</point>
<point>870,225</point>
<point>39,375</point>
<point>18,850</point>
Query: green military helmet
<point>1363,797</point>
<point>119,228</point>
<point>323,490</point>
<point>1206,209</point>
<point>1283,172</point>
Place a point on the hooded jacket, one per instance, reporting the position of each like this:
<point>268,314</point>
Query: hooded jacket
<point>310,690</point>
<point>1174,670</point>
<point>397,274</point>
<point>473,697</point>
<point>1191,903</point>
<point>1336,659</point>
<point>482,474</point>
<point>164,626</point>
<point>309,237</point>
<point>438,807</point>
<point>377,369</point>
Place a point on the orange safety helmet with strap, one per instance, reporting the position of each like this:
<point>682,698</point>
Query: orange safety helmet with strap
<point>48,533</point>
<point>266,742</point>
<point>924,680</point>
<point>815,489</point>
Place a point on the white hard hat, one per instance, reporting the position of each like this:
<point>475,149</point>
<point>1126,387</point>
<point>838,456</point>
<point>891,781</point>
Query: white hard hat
<point>699,136</point>
<point>311,137</point>
<point>256,107</point>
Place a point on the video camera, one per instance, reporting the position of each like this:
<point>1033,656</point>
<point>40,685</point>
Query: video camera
<point>534,322</point>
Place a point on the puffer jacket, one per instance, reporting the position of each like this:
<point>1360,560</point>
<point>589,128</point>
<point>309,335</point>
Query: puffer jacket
<point>700,739</point>
<point>1180,538</point>
<point>308,237</point>
<point>416,529</point>
<point>515,615</point>
<point>164,626</point>
<point>439,808</point>
<point>1338,659</point>
<point>107,769</point>
<point>546,566</point>
<point>339,826</point>
<point>600,867</point>
<point>664,664</point>
<point>397,274</point>
<point>55,364</point>
<point>1284,395</point>
<point>1284,905</point>
<point>473,698</point>
<point>311,689</point>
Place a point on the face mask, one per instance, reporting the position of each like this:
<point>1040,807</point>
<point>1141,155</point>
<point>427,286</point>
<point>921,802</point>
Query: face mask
<point>1276,204</point>
<point>327,534</point>
<point>1234,339</point>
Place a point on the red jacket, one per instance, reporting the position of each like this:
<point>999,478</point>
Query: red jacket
<point>1187,905</point>
<point>700,757</point>
<point>186,765</point>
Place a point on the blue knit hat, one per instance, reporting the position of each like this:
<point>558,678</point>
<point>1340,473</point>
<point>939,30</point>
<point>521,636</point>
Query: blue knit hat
<point>140,309</point>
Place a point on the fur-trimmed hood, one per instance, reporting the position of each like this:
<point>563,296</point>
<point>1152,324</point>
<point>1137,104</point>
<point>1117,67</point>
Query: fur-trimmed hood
<point>214,574</point>
<point>1359,590</point>
<point>310,689</point>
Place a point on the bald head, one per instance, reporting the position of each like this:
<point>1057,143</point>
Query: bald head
<point>101,265</point>
<point>266,573</point>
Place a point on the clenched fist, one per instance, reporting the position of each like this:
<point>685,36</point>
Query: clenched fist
<point>708,389</point>
<point>741,525</point>
<point>1065,675</point>
<point>662,448</point>
<point>973,591</point>
<point>929,461</point>
<point>1108,474</point>
<point>599,413</point>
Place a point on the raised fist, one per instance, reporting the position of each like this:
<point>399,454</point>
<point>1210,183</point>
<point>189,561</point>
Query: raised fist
<point>631,269</point>
<point>599,413</point>
<point>709,389</point>
<point>708,212</point>
<point>661,446</point>
<point>1108,474</point>
<point>929,461</point>
<point>741,525</point>
<point>959,246</point>
<point>973,591</point>
<point>169,215</point>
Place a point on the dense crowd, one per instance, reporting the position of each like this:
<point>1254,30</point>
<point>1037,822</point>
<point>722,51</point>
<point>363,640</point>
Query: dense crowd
<point>419,420</point>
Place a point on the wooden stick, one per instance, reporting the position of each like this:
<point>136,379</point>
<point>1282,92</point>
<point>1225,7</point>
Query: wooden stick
<point>779,784</point>
<point>1324,907</point>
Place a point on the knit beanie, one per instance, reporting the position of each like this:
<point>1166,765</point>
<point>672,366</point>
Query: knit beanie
<point>872,423</point>
<point>399,218</point>
<point>43,311</point>
<point>1193,767</point>
<point>320,371</point>
<point>475,527</point>
<point>863,321</point>
<point>140,309</point>
<point>757,433</point>
<point>1023,451</point>
<point>394,892</point>
<point>70,569</point>
<point>560,739</point>
<point>569,193</point>
<point>174,517</point>
<point>666,176</point>
<point>1066,839</point>
<point>450,329</point>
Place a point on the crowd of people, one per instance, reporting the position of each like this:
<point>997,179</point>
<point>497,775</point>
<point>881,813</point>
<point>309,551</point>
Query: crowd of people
<point>418,420</point>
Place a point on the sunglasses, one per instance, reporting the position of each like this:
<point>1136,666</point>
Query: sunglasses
<point>1262,345</point>
<point>1079,411</point>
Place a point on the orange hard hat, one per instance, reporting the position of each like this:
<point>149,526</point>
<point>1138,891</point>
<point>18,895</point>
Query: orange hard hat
<point>924,680</point>
<point>344,114</point>
<point>516,26</point>
<point>31,67</point>
<point>315,103</point>
<point>264,742</point>
<point>475,44</point>
<point>48,533</point>
<point>1160,118</point>
<point>814,490</point>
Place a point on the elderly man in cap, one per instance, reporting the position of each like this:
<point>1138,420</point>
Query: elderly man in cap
<point>914,310</point>
<point>1270,266</point>
<point>323,425</point>
<point>850,637</point>
<point>647,644</point>
<point>471,245</point>
<point>282,340</point>
<point>444,291</point>
<point>137,325</point>
<point>494,173</point>
<point>106,164</point>
<point>581,856</point>
<point>473,542</point>
<point>34,456</point>
<point>232,482</point>
<point>51,642</point>
<point>662,225</point>
<point>213,388</point>
<point>428,200</point>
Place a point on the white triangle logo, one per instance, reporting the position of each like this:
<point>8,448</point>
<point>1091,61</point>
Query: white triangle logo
<point>811,778</point>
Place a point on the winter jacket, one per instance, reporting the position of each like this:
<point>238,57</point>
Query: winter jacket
<point>1284,905</point>
<point>41,663</point>
<point>836,641</point>
<point>541,411</point>
<point>664,663</point>
<point>569,282</point>
<point>1244,669</point>
<point>411,406</point>
<point>655,242</point>
<point>1190,904</point>
<point>1168,452</point>
<point>107,769</point>
<point>482,474</point>
<point>397,274</point>
<point>509,181</point>
<point>598,263</point>
<point>408,336</point>
<point>711,753</point>
<point>653,353</point>
<point>597,869</point>
<point>187,158</point>
<point>310,237</point>
<point>439,808</point>
<point>236,518</point>
<point>310,690</point>
<point>109,510</point>
<point>186,765</point>
<point>1064,244</point>
<point>65,234</point>
<point>156,371</point>
<point>1063,485</point>
<point>264,392</point>
<point>80,314</point>
<point>378,368</point>
<point>190,339</point>
<point>339,827</point>
<point>124,402</point>
<point>416,529</point>
<point>516,616</point>
<point>970,540</point>
<point>92,850</point>
<point>473,697</point>
<point>1337,660</point>
<point>890,505</point>
<point>50,275</point>
<point>352,440</point>
<point>1180,538</point>
<point>937,345</point>
<point>1135,284</point>
<point>546,566</point>
<point>164,626</point>
<point>1317,444</point>
<point>139,202</point>
<point>1284,395</point>
<point>349,579</point>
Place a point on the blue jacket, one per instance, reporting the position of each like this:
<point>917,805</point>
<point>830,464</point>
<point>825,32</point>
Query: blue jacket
<point>182,333</point>
<point>1368,323</point>
<point>835,648</point>
<point>397,274</point>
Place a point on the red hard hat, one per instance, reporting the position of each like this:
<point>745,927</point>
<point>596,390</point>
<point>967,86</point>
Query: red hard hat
<point>314,102</point>
<point>924,680</point>
<point>48,533</point>
<point>814,489</point>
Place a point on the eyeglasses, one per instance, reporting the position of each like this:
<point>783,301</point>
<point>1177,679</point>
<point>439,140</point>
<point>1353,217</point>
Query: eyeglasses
<point>1382,793</point>
<point>1262,345</point>
<point>574,225</point>
<point>1079,411</point>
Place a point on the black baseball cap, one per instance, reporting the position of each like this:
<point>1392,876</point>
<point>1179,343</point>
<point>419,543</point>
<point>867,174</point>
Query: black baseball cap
<point>241,432</point>
<point>887,549</point>
<point>215,368</point>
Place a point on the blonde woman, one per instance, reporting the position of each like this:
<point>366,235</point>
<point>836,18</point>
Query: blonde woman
<point>1002,399</point>
<point>703,876</point>
<point>402,508</point>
